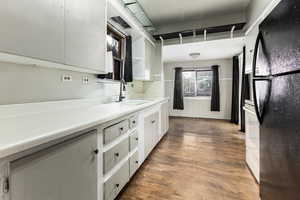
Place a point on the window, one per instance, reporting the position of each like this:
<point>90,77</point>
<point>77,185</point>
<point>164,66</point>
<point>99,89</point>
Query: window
<point>115,42</point>
<point>197,83</point>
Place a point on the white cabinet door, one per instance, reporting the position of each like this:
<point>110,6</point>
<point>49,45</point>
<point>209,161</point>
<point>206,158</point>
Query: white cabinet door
<point>67,171</point>
<point>33,28</point>
<point>151,132</point>
<point>164,118</point>
<point>147,60</point>
<point>155,129</point>
<point>148,137</point>
<point>157,65</point>
<point>85,33</point>
<point>138,56</point>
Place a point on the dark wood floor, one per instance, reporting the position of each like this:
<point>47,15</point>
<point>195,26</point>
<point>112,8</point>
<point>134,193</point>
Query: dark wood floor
<point>199,159</point>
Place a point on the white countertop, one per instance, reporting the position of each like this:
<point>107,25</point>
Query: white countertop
<point>28,125</point>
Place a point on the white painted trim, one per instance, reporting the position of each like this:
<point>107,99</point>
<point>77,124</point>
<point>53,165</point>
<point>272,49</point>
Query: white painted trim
<point>262,16</point>
<point>11,58</point>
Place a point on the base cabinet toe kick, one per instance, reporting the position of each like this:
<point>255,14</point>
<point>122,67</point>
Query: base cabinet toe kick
<point>94,164</point>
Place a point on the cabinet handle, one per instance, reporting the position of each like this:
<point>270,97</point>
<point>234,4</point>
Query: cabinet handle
<point>133,122</point>
<point>153,122</point>
<point>136,139</point>
<point>6,185</point>
<point>117,154</point>
<point>121,129</point>
<point>96,151</point>
<point>137,162</point>
<point>117,185</point>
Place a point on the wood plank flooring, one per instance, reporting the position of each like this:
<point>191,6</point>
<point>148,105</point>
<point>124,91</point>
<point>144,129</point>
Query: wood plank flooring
<point>199,159</point>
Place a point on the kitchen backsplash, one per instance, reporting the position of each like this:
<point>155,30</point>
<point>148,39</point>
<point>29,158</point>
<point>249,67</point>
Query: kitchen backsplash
<point>28,84</point>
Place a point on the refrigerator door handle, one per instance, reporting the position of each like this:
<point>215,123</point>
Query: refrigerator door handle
<point>261,100</point>
<point>260,50</point>
<point>255,54</point>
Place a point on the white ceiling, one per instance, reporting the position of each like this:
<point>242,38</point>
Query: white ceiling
<point>174,11</point>
<point>209,50</point>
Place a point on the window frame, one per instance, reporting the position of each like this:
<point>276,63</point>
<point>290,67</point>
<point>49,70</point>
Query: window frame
<point>117,60</point>
<point>195,84</point>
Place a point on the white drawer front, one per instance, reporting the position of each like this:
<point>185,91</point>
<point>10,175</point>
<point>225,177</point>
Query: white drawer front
<point>134,140</point>
<point>114,185</point>
<point>134,163</point>
<point>115,155</point>
<point>115,131</point>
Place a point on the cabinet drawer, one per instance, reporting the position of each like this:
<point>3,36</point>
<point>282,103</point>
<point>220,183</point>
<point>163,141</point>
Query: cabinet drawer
<point>133,122</point>
<point>114,185</point>
<point>134,163</point>
<point>115,131</point>
<point>134,140</point>
<point>115,155</point>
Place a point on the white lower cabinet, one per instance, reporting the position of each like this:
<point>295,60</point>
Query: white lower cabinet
<point>94,164</point>
<point>120,154</point>
<point>116,182</point>
<point>164,109</point>
<point>67,171</point>
<point>151,132</point>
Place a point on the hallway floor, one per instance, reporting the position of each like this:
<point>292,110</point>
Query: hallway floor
<point>199,159</point>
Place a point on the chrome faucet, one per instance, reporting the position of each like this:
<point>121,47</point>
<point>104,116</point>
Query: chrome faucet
<point>122,88</point>
<point>122,81</point>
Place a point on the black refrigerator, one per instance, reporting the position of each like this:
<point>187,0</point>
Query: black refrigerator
<point>276,85</point>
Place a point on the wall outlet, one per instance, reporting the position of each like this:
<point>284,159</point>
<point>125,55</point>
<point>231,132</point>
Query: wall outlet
<point>85,80</point>
<point>66,78</point>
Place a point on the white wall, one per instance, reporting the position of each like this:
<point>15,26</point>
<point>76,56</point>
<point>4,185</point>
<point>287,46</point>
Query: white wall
<point>200,107</point>
<point>24,84</point>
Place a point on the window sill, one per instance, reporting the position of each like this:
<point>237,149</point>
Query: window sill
<point>197,98</point>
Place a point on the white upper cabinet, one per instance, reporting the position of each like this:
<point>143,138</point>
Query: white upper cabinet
<point>33,28</point>
<point>68,32</point>
<point>250,45</point>
<point>147,63</point>
<point>85,33</point>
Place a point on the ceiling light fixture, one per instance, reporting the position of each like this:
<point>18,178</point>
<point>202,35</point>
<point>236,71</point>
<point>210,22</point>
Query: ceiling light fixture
<point>195,55</point>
